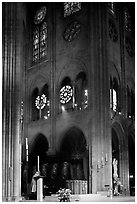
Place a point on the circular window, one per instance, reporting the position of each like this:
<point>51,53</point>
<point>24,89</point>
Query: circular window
<point>40,15</point>
<point>65,94</point>
<point>113,34</point>
<point>71,31</point>
<point>40,101</point>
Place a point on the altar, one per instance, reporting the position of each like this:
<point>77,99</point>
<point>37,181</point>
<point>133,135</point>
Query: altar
<point>77,186</point>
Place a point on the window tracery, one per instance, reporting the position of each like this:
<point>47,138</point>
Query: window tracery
<point>71,7</point>
<point>113,94</point>
<point>127,19</point>
<point>40,35</point>
<point>72,31</point>
<point>112,9</point>
<point>65,94</point>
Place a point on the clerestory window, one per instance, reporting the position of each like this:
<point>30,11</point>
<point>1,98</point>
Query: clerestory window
<point>40,31</point>
<point>112,8</point>
<point>113,94</point>
<point>71,7</point>
<point>127,19</point>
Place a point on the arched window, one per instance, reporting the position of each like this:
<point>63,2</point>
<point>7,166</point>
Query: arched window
<point>46,110</point>
<point>130,103</point>
<point>35,112</point>
<point>113,94</point>
<point>71,7</point>
<point>81,91</point>
<point>40,103</point>
<point>127,19</point>
<point>112,8</point>
<point>39,35</point>
<point>66,94</point>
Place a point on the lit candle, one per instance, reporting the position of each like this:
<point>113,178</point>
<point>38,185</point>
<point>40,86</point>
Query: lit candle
<point>26,143</point>
<point>38,163</point>
<point>26,149</point>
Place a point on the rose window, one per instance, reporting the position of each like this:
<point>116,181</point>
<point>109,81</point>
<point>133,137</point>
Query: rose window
<point>40,15</point>
<point>72,31</point>
<point>40,101</point>
<point>113,34</point>
<point>65,94</point>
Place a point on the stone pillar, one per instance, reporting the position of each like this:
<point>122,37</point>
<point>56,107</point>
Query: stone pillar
<point>12,89</point>
<point>123,60</point>
<point>52,53</point>
<point>100,134</point>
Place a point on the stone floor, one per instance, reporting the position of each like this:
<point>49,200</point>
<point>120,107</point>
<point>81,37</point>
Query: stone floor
<point>88,198</point>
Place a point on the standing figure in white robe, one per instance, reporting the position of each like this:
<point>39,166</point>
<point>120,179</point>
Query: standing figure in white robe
<point>34,182</point>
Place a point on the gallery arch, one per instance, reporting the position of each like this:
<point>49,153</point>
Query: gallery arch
<point>39,148</point>
<point>74,151</point>
<point>81,91</point>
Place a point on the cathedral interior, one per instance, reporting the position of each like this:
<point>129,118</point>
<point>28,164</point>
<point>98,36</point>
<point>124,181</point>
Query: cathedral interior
<point>68,96</point>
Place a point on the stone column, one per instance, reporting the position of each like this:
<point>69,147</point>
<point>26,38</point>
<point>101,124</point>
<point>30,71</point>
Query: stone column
<point>52,53</point>
<point>12,89</point>
<point>100,136</point>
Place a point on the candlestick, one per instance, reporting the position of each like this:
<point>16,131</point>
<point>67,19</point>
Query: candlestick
<point>38,163</point>
<point>26,149</point>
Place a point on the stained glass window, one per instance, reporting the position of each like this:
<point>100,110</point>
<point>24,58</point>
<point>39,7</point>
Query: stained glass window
<point>40,15</point>
<point>71,31</point>
<point>114,100</point>
<point>65,94</point>
<point>36,44</point>
<point>127,18</point>
<point>111,7</point>
<point>43,40</point>
<point>40,101</point>
<point>40,35</point>
<point>71,7</point>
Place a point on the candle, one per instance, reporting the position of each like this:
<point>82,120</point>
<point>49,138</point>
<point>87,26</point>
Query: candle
<point>38,163</point>
<point>26,143</point>
<point>27,149</point>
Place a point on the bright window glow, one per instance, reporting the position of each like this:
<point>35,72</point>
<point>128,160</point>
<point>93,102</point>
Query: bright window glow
<point>86,92</point>
<point>85,98</point>
<point>63,108</point>
<point>65,94</point>
<point>114,100</point>
<point>40,101</point>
